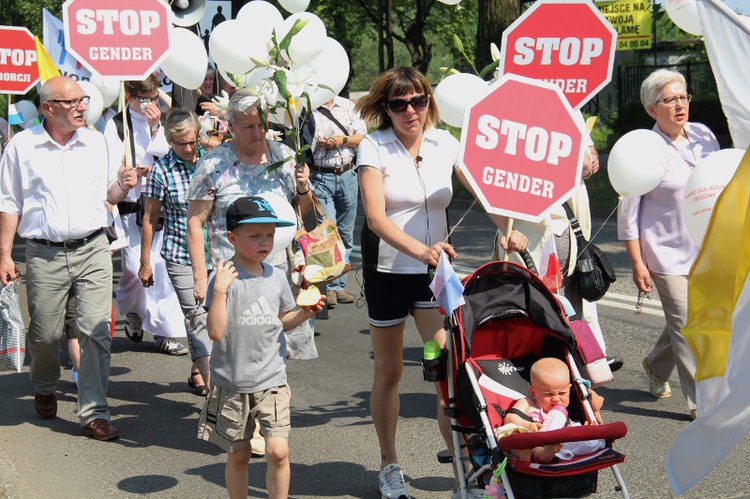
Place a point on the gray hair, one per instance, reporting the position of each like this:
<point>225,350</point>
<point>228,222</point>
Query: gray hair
<point>653,84</point>
<point>240,102</point>
<point>179,122</point>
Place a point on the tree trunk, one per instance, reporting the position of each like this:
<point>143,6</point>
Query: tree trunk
<point>493,16</point>
<point>418,46</point>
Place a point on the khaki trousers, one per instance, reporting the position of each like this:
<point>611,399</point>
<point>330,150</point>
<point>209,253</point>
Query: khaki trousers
<point>671,348</point>
<point>52,274</point>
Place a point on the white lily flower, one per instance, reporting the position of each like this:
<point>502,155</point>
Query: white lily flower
<point>206,126</point>
<point>273,135</point>
<point>223,101</point>
<point>494,52</point>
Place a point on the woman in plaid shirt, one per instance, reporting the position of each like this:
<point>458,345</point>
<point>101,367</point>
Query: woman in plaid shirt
<point>167,185</point>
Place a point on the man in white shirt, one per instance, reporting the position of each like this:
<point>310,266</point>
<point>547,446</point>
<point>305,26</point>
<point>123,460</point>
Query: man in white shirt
<point>55,181</point>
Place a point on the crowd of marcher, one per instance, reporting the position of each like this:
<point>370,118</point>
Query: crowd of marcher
<point>196,237</point>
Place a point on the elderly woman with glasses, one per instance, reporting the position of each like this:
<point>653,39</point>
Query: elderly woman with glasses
<point>405,170</point>
<point>167,186</point>
<point>660,249</point>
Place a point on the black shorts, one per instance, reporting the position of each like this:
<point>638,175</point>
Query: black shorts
<point>391,297</point>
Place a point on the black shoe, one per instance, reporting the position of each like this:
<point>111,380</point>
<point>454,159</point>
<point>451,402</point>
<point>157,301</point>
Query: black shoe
<point>615,363</point>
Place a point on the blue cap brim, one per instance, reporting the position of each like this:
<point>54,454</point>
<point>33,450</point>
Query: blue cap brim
<point>268,220</point>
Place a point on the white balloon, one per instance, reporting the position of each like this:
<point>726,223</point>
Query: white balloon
<point>232,44</point>
<point>307,44</point>
<point>637,162</point>
<point>186,60</point>
<point>332,70</point>
<point>684,13</point>
<point>450,2</point>
<point>108,87</point>
<point>454,93</point>
<point>28,111</point>
<point>96,104</point>
<point>294,6</point>
<point>284,211</point>
<point>260,16</point>
<point>706,183</point>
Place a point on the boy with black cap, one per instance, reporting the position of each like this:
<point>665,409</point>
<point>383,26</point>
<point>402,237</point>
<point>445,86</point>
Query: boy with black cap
<point>250,304</point>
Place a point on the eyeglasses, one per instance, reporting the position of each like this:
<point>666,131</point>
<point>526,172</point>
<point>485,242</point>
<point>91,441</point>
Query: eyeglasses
<point>73,103</point>
<point>188,143</point>
<point>672,101</point>
<point>147,100</point>
<point>418,103</point>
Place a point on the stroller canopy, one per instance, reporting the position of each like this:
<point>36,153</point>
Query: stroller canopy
<point>500,290</point>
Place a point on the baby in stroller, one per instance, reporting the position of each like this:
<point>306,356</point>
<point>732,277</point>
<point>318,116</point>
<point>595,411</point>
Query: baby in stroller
<point>550,387</point>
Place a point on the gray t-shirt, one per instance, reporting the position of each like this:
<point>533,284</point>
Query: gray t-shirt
<point>251,357</point>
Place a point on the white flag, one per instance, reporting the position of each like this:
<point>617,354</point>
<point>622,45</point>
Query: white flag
<point>727,41</point>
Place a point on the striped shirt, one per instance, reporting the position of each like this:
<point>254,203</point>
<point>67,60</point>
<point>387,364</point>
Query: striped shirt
<point>169,182</point>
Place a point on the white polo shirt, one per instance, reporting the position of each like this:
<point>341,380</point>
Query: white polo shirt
<point>59,192</point>
<point>415,198</point>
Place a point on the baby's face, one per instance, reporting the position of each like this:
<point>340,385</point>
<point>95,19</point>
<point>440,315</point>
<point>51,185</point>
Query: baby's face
<point>550,392</point>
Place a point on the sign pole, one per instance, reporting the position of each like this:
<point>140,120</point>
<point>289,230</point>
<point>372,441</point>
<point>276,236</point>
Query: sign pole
<point>125,129</point>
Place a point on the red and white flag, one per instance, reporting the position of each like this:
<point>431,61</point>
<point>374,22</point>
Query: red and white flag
<point>549,266</point>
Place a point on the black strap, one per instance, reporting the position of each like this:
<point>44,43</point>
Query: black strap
<point>121,132</point>
<point>576,227</point>
<point>327,113</point>
<point>518,413</point>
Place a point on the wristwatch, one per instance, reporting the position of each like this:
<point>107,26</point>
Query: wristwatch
<point>345,140</point>
<point>155,128</point>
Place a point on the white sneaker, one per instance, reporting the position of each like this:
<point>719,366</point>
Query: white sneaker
<point>392,484</point>
<point>172,347</point>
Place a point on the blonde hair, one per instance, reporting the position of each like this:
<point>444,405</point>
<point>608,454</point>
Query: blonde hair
<point>393,83</point>
<point>549,368</point>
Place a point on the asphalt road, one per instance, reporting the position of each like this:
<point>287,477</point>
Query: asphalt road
<point>333,445</point>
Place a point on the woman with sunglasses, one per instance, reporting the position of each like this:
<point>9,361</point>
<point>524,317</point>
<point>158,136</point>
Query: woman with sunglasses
<point>167,185</point>
<point>659,246</point>
<point>405,171</point>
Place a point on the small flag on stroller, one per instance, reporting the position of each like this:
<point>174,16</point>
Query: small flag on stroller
<point>446,286</point>
<point>549,266</point>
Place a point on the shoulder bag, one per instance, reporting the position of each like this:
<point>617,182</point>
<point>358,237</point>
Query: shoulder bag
<point>320,255</point>
<point>593,273</point>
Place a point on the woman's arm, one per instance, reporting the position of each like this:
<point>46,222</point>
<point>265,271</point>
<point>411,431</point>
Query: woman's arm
<point>516,241</point>
<point>150,219</point>
<point>641,276</point>
<point>198,212</point>
<point>373,200</point>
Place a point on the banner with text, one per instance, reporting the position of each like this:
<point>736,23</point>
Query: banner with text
<point>632,20</point>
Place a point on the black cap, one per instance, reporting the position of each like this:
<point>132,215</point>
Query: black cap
<point>253,210</point>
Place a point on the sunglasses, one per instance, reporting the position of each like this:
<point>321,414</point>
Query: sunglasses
<point>418,103</point>
<point>147,100</point>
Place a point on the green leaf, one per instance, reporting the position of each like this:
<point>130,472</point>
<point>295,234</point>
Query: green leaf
<point>276,165</point>
<point>489,68</point>
<point>280,78</point>
<point>296,28</point>
<point>262,116</point>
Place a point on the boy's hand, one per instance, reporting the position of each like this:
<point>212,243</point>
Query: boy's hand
<point>225,275</point>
